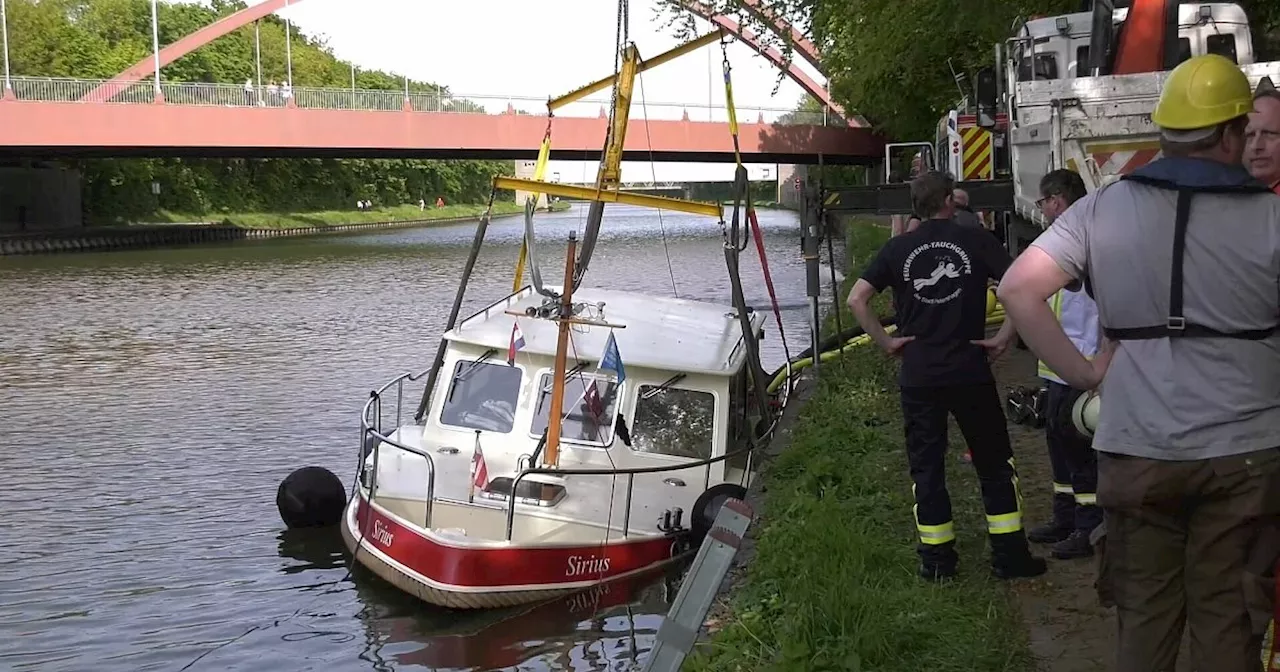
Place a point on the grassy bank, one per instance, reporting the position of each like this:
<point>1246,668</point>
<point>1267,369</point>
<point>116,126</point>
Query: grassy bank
<point>833,585</point>
<point>275,220</point>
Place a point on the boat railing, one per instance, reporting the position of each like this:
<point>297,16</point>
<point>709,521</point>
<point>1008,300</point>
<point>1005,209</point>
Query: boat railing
<point>631,479</point>
<point>371,426</point>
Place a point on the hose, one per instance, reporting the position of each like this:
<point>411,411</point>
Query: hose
<point>833,347</point>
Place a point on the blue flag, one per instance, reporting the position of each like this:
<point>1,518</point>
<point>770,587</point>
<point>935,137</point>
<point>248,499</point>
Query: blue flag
<point>612,359</point>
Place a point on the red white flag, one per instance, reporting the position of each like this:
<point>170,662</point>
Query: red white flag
<point>479,470</point>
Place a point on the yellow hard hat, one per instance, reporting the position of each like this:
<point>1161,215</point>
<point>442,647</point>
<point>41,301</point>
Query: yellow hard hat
<point>1203,92</point>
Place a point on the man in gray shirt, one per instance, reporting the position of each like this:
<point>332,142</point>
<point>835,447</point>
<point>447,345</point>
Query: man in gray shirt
<point>1183,258</point>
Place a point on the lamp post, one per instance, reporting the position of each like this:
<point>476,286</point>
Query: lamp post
<point>257,52</point>
<point>4,33</point>
<point>288,47</point>
<point>155,46</point>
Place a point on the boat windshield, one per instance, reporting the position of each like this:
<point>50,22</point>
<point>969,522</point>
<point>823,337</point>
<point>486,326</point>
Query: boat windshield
<point>482,396</point>
<point>674,421</point>
<point>590,402</point>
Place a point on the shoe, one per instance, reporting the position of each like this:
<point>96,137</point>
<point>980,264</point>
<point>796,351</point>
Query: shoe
<point>1075,546</point>
<point>1019,567</point>
<point>1049,533</point>
<point>936,571</point>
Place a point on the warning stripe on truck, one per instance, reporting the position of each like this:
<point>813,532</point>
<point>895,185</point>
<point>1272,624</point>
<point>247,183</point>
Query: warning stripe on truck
<point>977,162</point>
<point>1122,158</point>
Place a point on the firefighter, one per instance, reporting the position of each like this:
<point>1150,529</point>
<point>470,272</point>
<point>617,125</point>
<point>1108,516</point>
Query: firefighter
<point>1182,258</point>
<point>1075,465</point>
<point>938,273</point>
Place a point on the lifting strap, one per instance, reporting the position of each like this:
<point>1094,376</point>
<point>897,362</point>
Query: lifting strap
<point>539,171</point>
<point>742,194</point>
<point>1177,326</point>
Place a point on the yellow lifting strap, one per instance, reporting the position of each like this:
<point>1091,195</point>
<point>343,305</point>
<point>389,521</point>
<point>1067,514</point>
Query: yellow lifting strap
<point>728,99</point>
<point>539,170</point>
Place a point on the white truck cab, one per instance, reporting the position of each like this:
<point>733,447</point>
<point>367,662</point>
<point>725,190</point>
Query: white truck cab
<point>1061,43</point>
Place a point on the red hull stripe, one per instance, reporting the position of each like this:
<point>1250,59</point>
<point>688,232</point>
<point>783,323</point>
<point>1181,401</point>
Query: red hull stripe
<point>512,567</point>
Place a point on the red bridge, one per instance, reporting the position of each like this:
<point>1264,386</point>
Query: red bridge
<point>127,117</point>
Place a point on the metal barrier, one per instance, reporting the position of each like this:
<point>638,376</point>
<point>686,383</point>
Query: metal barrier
<point>67,90</point>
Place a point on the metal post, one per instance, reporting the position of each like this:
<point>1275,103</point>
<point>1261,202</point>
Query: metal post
<point>711,79</point>
<point>257,52</point>
<point>155,44</point>
<point>353,86</point>
<point>4,33</point>
<point>288,47</point>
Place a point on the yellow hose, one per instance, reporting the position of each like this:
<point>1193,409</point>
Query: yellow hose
<point>995,315</point>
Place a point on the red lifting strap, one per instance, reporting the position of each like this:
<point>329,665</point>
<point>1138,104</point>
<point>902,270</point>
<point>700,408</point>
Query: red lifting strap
<point>764,265</point>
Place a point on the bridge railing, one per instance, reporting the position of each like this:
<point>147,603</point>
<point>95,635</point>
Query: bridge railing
<point>52,89</point>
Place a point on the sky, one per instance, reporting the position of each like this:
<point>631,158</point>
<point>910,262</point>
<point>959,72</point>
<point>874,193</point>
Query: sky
<point>533,49</point>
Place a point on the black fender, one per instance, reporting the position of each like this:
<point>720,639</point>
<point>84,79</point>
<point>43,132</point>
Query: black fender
<point>703,515</point>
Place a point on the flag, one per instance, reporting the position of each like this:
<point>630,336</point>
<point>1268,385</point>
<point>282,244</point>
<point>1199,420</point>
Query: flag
<point>517,342</point>
<point>479,470</point>
<point>595,405</point>
<point>612,359</point>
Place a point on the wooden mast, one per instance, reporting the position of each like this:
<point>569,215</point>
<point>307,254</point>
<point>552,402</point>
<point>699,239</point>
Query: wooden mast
<point>563,320</point>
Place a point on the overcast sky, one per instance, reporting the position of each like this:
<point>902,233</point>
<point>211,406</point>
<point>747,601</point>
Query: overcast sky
<point>539,48</point>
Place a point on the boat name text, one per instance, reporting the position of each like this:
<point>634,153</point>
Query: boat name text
<point>381,534</point>
<point>579,566</point>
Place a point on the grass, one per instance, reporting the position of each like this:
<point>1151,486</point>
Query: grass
<point>832,585</point>
<point>277,220</point>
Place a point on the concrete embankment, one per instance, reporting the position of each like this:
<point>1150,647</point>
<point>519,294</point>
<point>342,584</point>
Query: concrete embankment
<point>141,237</point>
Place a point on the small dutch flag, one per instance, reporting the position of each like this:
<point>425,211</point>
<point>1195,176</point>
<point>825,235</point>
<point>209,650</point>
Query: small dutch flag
<point>517,343</point>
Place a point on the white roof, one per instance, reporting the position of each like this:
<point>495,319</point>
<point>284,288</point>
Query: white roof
<point>661,332</point>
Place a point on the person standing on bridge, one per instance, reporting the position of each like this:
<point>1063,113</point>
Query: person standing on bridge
<point>938,274</point>
<point>1188,464</point>
<point>1071,456</point>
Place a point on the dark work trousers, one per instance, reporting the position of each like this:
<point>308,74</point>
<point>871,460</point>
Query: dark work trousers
<point>1074,463</point>
<point>977,411</point>
<point>1181,540</point>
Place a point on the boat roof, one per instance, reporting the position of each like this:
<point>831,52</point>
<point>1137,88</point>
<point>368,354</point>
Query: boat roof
<point>664,333</point>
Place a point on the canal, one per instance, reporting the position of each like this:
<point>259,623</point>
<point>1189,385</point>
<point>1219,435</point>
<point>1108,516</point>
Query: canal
<point>152,401</point>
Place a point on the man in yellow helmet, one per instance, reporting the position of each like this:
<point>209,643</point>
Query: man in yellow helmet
<point>1182,257</point>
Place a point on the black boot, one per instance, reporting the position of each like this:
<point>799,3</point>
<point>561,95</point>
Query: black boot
<point>1064,506</point>
<point>1011,557</point>
<point>938,561</point>
<point>1075,546</point>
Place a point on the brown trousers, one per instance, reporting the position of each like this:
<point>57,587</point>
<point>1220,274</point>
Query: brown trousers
<point>1185,546</point>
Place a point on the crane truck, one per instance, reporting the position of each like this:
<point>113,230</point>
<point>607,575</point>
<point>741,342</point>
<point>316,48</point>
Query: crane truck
<point>1069,91</point>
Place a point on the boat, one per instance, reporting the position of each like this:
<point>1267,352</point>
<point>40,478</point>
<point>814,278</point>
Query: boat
<point>566,435</point>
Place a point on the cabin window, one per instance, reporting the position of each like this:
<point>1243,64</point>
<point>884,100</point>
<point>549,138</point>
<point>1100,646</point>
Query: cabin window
<point>1082,61</point>
<point>1046,67</point>
<point>589,418</point>
<point>482,396</point>
<point>675,422</point>
<point>1222,45</point>
<point>1184,49</point>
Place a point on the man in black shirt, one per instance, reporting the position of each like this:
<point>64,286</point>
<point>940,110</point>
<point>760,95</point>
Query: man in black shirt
<point>939,275</point>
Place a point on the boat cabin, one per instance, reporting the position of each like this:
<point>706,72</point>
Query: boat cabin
<point>680,399</point>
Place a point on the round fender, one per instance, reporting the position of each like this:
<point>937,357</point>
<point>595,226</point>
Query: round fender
<point>708,506</point>
<point>311,497</point>
<point>1084,413</point>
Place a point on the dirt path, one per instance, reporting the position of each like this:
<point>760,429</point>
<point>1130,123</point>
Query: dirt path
<point>1069,630</point>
